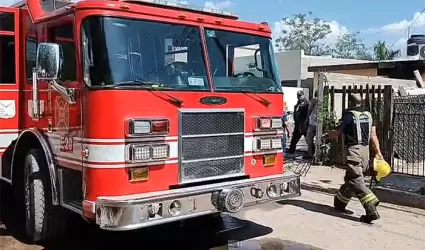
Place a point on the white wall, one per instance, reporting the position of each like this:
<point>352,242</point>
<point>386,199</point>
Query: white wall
<point>289,64</point>
<point>293,65</point>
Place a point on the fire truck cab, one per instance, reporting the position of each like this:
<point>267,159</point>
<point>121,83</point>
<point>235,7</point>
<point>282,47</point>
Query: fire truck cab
<point>137,113</point>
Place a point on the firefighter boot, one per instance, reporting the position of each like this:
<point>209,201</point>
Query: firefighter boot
<point>342,198</point>
<point>371,213</point>
<point>339,205</point>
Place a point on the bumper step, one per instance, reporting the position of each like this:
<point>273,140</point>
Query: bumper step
<point>143,210</point>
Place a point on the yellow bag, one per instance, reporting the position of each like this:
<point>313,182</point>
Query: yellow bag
<point>382,168</point>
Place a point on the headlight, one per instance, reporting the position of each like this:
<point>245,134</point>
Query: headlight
<point>276,143</point>
<point>160,152</point>
<point>140,153</point>
<point>264,144</point>
<point>146,127</point>
<point>268,143</point>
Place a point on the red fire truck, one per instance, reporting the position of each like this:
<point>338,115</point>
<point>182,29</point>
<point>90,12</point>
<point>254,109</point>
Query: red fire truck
<point>137,113</point>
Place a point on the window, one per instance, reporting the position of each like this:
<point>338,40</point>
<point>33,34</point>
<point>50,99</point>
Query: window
<point>7,48</point>
<point>7,59</point>
<point>7,21</point>
<point>64,36</point>
<point>130,53</point>
<point>31,45</point>
<point>241,62</point>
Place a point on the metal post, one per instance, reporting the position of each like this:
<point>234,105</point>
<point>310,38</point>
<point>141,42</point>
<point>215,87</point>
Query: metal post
<point>319,126</point>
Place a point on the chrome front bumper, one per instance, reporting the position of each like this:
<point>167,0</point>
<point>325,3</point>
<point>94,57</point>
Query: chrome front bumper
<point>129,212</point>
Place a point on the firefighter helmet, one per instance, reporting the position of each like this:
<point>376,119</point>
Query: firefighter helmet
<point>381,167</point>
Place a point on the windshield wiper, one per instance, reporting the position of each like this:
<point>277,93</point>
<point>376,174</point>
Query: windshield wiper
<point>262,99</point>
<point>151,86</point>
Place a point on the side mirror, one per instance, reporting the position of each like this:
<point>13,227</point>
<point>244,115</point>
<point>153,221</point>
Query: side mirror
<point>256,60</point>
<point>48,67</point>
<point>49,61</point>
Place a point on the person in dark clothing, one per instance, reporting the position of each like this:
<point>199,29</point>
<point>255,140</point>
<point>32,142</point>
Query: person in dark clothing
<point>300,117</point>
<point>359,132</point>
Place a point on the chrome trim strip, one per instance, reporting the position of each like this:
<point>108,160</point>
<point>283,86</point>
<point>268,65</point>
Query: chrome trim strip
<point>213,159</point>
<point>180,144</point>
<point>184,110</point>
<point>211,135</point>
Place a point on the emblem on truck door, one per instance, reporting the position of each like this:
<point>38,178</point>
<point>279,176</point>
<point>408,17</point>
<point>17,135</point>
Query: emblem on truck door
<point>7,109</point>
<point>213,100</point>
<point>62,115</point>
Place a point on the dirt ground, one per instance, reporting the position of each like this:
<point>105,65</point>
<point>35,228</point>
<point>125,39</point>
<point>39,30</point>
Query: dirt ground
<point>305,223</point>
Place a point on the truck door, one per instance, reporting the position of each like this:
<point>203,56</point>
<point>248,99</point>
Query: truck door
<point>9,83</point>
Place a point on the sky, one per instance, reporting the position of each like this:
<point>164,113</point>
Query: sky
<point>374,19</point>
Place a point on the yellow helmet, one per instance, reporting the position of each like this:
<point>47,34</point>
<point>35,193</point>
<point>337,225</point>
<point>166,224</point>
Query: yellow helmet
<point>381,167</point>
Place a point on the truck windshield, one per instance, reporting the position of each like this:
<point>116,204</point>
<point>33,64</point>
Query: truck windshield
<point>241,62</point>
<point>120,51</point>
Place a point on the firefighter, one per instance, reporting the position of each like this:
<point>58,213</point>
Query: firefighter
<point>359,132</point>
<point>300,116</point>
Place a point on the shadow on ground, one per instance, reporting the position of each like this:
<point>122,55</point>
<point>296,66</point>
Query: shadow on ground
<point>200,233</point>
<point>320,208</point>
<point>271,244</point>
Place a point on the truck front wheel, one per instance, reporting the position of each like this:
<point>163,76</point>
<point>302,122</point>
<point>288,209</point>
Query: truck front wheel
<point>42,219</point>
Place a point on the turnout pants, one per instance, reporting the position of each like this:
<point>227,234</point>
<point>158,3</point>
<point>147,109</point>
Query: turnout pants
<point>311,133</point>
<point>296,136</point>
<point>357,162</point>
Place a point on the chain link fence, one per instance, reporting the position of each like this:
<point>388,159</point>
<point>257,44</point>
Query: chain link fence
<point>408,135</point>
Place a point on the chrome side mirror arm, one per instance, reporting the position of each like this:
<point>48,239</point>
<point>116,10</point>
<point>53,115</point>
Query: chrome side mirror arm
<point>67,93</point>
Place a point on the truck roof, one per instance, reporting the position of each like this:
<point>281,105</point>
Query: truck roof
<point>191,13</point>
<point>56,4</point>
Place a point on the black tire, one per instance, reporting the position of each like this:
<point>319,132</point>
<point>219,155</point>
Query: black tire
<point>43,221</point>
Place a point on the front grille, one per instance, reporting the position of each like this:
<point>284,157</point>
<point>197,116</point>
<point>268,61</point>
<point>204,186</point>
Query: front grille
<point>211,144</point>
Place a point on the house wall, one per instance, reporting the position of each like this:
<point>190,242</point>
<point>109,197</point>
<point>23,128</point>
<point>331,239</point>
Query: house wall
<point>289,65</point>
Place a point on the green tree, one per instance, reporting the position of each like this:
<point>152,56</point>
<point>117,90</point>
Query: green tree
<point>382,52</point>
<point>350,46</point>
<point>303,31</point>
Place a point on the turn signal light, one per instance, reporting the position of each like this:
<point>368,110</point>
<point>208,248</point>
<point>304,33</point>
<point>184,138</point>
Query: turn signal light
<point>269,160</point>
<point>139,174</point>
<point>267,123</point>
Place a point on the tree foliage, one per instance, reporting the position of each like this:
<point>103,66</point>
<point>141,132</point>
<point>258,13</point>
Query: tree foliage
<point>382,52</point>
<point>351,46</point>
<point>303,31</point>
